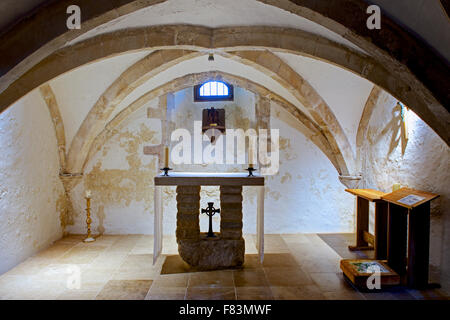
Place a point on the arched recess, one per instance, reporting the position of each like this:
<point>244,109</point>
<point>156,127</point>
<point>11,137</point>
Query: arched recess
<point>160,60</point>
<point>400,84</point>
<point>311,130</point>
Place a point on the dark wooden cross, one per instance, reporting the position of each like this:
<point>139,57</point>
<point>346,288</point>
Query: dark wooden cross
<point>210,211</point>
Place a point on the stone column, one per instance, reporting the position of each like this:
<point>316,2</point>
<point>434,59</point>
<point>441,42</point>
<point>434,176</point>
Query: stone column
<point>231,224</point>
<point>231,212</point>
<point>188,224</point>
<point>188,210</point>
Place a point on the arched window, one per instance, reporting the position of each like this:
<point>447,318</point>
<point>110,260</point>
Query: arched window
<point>213,91</point>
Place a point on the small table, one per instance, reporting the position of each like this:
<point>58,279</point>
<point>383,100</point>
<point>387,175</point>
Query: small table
<point>191,243</point>
<point>364,238</point>
<point>409,241</point>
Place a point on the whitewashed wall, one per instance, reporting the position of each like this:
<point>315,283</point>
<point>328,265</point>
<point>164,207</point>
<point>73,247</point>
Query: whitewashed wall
<point>305,196</point>
<point>31,194</point>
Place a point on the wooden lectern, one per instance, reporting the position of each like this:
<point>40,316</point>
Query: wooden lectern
<point>364,239</point>
<point>409,234</point>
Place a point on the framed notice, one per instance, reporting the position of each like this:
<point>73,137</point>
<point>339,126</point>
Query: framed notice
<point>410,199</point>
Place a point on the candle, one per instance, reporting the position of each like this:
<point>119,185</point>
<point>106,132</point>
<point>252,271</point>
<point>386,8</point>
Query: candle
<point>250,156</point>
<point>166,158</point>
<point>396,186</point>
<point>88,193</point>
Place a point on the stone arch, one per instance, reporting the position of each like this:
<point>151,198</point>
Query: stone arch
<point>264,61</point>
<point>367,113</point>
<point>311,130</point>
<point>397,81</point>
<point>35,46</point>
<point>129,80</point>
<point>393,46</point>
<point>181,37</point>
<point>50,99</point>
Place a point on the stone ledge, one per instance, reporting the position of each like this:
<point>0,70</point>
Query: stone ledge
<point>231,198</point>
<point>194,190</point>
<point>231,215</point>
<point>231,206</point>
<point>231,234</point>
<point>230,224</point>
<point>184,233</point>
<point>225,190</point>
<point>188,198</point>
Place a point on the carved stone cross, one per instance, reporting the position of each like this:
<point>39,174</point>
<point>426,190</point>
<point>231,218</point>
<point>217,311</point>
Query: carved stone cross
<point>210,211</point>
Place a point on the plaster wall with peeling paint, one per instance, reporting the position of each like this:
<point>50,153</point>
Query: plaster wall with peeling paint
<point>305,195</point>
<point>32,196</point>
<point>421,162</point>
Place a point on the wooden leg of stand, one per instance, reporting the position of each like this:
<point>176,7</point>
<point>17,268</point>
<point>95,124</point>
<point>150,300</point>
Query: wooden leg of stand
<point>381,225</point>
<point>397,238</point>
<point>418,246</point>
<point>362,224</point>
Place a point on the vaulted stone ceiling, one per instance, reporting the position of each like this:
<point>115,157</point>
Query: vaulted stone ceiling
<point>426,24</point>
<point>92,88</point>
<point>214,14</point>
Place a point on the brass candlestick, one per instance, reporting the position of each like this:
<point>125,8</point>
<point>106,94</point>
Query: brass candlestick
<point>89,237</point>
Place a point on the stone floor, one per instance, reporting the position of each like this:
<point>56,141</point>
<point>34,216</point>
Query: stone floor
<point>296,266</point>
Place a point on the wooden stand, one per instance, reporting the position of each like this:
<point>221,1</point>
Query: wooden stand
<point>408,243</point>
<point>364,239</point>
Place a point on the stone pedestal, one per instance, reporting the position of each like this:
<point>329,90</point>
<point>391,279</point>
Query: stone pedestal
<point>227,249</point>
<point>212,253</point>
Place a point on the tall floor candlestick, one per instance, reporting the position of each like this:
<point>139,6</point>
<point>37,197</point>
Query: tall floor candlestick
<point>89,237</point>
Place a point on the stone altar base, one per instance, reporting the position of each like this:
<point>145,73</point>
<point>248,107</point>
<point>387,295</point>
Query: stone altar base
<point>225,250</point>
<point>212,253</point>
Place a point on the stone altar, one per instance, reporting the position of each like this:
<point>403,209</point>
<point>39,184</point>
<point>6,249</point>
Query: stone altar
<point>228,248</point>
